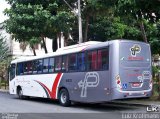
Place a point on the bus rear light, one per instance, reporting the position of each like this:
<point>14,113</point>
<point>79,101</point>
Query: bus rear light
<point>118,81</point>
<point>150,84</point>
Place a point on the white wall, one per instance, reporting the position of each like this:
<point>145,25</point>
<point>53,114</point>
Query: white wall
<point>17,52</point>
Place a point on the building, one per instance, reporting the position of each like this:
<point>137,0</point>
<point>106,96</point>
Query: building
<point>16,50</point>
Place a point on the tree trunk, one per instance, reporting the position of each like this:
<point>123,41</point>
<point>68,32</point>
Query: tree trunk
<point>34,51</point>
<point>143,32</point>
<point>0,82</point>
<point>86,29</point>
<point>44,45</point>
<point>59,39</point>
<point>54,45</point>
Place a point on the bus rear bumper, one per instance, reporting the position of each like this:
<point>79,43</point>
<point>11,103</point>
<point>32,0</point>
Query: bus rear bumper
<point>119,94</point>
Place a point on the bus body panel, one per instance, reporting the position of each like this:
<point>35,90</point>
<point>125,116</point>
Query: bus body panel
<point>34,85</point>
<point>87,86</point>
<point>128,76</point>
<point>134,76</point>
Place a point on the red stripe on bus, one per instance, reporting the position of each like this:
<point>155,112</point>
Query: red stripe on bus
<point>55,85</point>
<point>50,93</point>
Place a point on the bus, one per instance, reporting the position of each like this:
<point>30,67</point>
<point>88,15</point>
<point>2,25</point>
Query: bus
<point>90,72</point>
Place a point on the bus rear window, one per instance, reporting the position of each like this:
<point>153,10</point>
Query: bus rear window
<point>134,54</point>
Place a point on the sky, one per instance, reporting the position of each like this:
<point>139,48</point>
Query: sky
<point>3,6</point>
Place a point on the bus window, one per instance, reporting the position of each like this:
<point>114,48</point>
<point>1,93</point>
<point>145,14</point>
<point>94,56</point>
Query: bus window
<point>29,67</point>
<point>39,66</point>
<point>12,71</point>
<point>58,61</point>
<point>72,62</point>
<point>51,65</point>
<point>64,63</point>
<point>25,68</point>
<point>92,60</point>
<point>34,66</point>
<point>81,62</point>
<point>20,69</point>
<point>45,65</point>
<point>103,59</point>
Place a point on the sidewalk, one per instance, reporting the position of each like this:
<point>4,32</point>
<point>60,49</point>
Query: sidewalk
<point>138,102</point>
<point>4,90</point>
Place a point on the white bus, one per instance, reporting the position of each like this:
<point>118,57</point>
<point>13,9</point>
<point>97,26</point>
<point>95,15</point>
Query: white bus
<point>90,72</point>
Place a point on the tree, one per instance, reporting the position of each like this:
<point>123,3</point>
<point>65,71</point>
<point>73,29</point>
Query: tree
<point>30,20</point>
<point>37,20</point>
<point>4,50</point>
<point>139,10</point>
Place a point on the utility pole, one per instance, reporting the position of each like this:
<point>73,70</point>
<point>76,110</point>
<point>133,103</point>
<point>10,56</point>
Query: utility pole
<point>79,18</point>
<point>80,22</point>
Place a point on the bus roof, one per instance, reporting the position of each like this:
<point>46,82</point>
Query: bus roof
<point>73,49</point>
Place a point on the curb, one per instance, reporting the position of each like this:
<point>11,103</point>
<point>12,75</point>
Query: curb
<point>4,91</point>
<point>134,104</point>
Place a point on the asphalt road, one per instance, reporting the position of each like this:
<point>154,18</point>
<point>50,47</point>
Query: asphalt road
<point>38,108</point>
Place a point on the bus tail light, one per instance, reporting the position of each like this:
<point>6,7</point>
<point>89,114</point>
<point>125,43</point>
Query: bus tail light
<point>150,84</point>
<point>118,82</point>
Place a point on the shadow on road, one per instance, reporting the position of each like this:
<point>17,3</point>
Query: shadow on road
<point>101,107</point>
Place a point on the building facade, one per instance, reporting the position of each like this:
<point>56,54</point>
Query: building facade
<point>16,50</point>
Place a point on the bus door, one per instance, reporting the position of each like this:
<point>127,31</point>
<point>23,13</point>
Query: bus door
<point>135,66</point>
<point>12,72</point>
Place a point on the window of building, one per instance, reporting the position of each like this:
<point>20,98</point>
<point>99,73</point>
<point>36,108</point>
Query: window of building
<point>72,62</point>
<point>51,65</point>
<point>103,59</point>
<point>81,62</point>
<point>39,66</point>
<point>65,63</point>
<point>45,65</point>
<point>92,60</point>
<point>58,61</point>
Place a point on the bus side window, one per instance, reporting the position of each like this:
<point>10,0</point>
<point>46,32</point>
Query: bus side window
<point>103,59</point>
<point>39,66</point>
<point>25,68</point>
<point>58,61</point>
<point>20,69</point>
<point>81,62</point>
<point>12,71</point>
<point>29,67</point>
<point>34,66</point>
<point>72,62</point>
<point>45,65</point>
<point>65,63</point>
<point>92,60</point>
<point>51,65</point>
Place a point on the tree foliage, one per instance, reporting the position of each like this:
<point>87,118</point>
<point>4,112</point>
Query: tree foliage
<point>33,20</point>
<point>4,51</point>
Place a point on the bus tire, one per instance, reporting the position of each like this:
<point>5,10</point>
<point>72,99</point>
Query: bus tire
<point>20,93</point>
<point>64,98</point>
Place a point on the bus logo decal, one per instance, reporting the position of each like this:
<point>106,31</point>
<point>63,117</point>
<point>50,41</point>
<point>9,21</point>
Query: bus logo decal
<point>84,84</point>
<point>135,49</point>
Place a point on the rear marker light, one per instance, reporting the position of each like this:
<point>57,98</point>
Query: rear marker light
<point>150,84</point>
<point>118,81</point>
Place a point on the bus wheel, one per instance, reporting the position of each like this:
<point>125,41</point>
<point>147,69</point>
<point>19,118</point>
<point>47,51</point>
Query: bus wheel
<point>64,98</point>
<point>20,93</point>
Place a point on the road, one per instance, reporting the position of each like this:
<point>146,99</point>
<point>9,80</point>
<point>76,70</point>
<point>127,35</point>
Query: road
<point>46,109</point>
